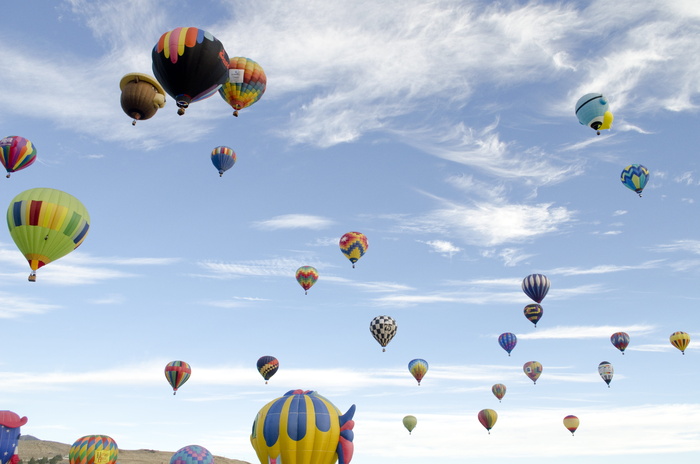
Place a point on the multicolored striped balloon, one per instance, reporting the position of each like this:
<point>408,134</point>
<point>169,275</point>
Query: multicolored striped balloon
<point>635,177</point>
<point>418,368</point>
<point>177,373</point>
<point>223,159</point>
<point>16,153</point>
<point>307,277</point>
<point>507,341</point>
<point>533,369</point>
<point>245,85</point>
<point>680,340</point>
<point>353,245</point>
<point>499,391</point>
<point>192,454</point>
<point>620,340</point>
<point>571,423</point>
<point>93,449</point>
<point>488,418</point>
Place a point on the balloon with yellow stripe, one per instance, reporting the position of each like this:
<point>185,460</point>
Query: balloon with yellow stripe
<point>46,224</point>
<point>93,449</point>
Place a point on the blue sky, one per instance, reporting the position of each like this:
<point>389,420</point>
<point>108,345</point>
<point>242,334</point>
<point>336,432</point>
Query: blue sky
<point>445,132</point>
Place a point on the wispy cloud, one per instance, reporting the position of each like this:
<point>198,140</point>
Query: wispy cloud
<point>294,221</point>
<point>605,268</point>
<point>443,247</point>
<point>584,332</point>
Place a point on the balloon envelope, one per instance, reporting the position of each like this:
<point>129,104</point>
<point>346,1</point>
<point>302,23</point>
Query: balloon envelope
<point>93,449</point>
<point>680,340</point>
<point>223,159</point>
<point>267,366</point>
<point>635,177</point>
<point>592,110</point>
<point>245,85</point>
<point>410,423</point>
<point>307,277</point>
<point>418,369</point>
<point>10,424</point>
<point>571,423</point>
<point>383,329</point>
<point>303,427</point>
<point>177,373</point>
<point>192,454</point>
<point>507,341</point>
<point>488,418</point>
<point>536,287</point>
<point>353,245</point>
<point>16,153</point>
<point>141,97</point>
<point>533,313</point>
<point>499,391</point>
<point>620,340</point>
<point>606,371</point>
<point>46,224</point>
<point>533,369</point>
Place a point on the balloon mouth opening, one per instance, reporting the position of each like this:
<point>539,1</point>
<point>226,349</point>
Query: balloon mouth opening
<point>596,125</point>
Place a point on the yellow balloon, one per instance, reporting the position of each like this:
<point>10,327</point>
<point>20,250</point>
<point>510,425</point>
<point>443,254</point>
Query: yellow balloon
<point>680,340</point>
<point>410,423</point>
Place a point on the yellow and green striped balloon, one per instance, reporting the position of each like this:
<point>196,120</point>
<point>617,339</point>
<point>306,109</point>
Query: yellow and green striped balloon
<point>93,449</point>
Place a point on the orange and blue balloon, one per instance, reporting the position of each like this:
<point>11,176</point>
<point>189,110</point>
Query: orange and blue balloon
<point>353,245</point>
<point>620,340</point>
<point>16,153</point>
<point>418,368</point>
<point>223,159</point>
<point>177,373</point>
<point>307,277</point>
<point>507,341</point>
<point>635,177</point>
<point>245,85</point>
<point>267,366</point>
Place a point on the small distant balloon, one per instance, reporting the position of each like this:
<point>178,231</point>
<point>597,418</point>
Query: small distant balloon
<point>353,245</point>
<point>410,423</point>
<point>488,418</point>
<point>418,369</point>
<point>177,373</point>
<point>536,287</point>
<point>383,329</point>
<point>192,454</point>
<point>499,391</point>
<point>571,423</point>
<point>606,371</point>
<point>223,159</point>
<point>533,369</point>
<point>307,277</point>
<point>592,110</point>
<point>620,340</point>
<point>507,341</point>
<point>16,153</point>
<point>267,366</point>
<point>635,177</point>
<point>680,340</point>
<point>533,313</point>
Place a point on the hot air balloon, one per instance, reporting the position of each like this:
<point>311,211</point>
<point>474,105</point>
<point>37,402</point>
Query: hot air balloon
<point>410,423</point>
<point>606,371</point>
<point>177,373</point>
<point>303,427</point>
<point>507,341</point>
<point>267,366</point>
<point>536,287</point>
<point>533,313</point>
<point>93,449</point>
<point>46,224</point>
<point>142,96</point>
<point>223,159</point>
<point>10,424</point>
<point>307,277</point>
<point>245,85</point>
<point>635,177</point>
<point>418,368</point>
<point>499,391</point>
<point>383,329</point>
<point>488,418</point>
<point>192,454</point>
<point>592,110</point>
<point>533,369</point>
<point>353,245</point>
<point>571,423</point>
<point>16,153</point>
<point>620,340</point>
<point>680,340</point>
<point>191,65</point>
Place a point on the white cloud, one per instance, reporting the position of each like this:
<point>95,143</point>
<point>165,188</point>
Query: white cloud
<point>294,221</point>
<point>584,332</point>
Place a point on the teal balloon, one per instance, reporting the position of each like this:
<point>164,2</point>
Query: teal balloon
<point>635,177</point>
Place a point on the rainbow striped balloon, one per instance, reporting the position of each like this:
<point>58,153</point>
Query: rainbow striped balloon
<point>307,277</point>
<point>93,449</point>
<point>16,153</point>
<point>353,245</point>
<point>177,373</point>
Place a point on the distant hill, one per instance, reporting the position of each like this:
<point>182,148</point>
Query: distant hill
<point>31,447</point>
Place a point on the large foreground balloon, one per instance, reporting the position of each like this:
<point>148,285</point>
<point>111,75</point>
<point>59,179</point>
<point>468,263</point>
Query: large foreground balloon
<point>142,96</point>
<point>488,418</point>
<point>620,340</point>
<point>606,371</point>
<point>10,424</point>
<point>592,110</point>
<point>93,449</point>
<point>177,373</point>
<point>16,153</point>
<point>46,224</point>
<point>680,340</point>
<point>536,287</point>
<point>507,341</point>
<point>418,368</point>
<point>223,159</point>
<point>192,454</point>
<point>353,245</point>
<point>191,64</point>
<point>499,391</point>
<point>307,277</point>
<point>303,427</point>
<point>635,177</point>
<point>383,329</point>
<point>267,366</point>
<point>571,423</point>
<point>533,369</point>
<point>245,85</point>
<point>533,313</point>
<point>410,423</point>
